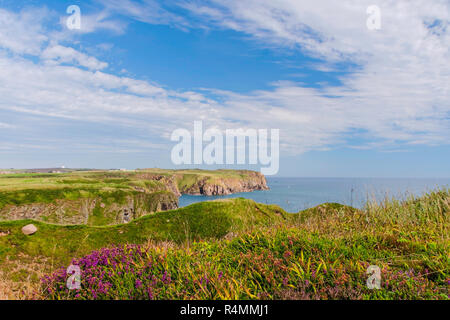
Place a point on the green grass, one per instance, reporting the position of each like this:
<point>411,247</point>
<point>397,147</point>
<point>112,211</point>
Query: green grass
<point>78,191</point>
<point>110,187</point>
<point>238,249</point>
<point>112,179</point>
<point>206,220</point>
<point>112,200</point>
<point>278,263</point>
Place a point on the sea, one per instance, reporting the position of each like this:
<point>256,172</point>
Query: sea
<point>295,194</point>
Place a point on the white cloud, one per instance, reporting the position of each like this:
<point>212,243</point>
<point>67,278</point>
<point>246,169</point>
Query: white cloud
<point>399,94</point>
<point>60,54</point>
<point>93,22</point>
<point>401,91</point>
<point>6,126</point>
<point>23,32</point>
<point>148,11</point>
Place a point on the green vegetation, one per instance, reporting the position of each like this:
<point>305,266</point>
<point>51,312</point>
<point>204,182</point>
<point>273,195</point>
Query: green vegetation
<point>283,263</point>
<point>244,250</point>
<point>99,197</point>
<point>152,179</point>
<point>83,205</point>
<point>206,220</point>
<point>29,196</point>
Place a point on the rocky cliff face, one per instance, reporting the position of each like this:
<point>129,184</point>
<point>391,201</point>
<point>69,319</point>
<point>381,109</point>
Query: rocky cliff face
<point>208,185</point>
<point>222,186</point>
<point>124,196</point>
<point>92,211</point>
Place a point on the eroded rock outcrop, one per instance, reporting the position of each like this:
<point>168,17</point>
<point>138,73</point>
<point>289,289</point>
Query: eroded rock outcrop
<point>93,211</point>
<point>222,186</point>
<point>210,184</point>
<point>121,196</point>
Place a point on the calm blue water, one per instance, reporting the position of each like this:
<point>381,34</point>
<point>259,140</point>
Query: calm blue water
<point>294,194</point>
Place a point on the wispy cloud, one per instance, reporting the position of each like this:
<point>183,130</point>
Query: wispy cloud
<point>398,95</point>
<point>23,32</point>
<point>147,11</point>
<point>97,21</point>
<point>58,54</point>
<point>6,126</point>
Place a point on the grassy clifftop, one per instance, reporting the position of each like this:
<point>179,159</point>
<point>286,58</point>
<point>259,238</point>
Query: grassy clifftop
<point>201,221</point>
<point>143,179</point>
<point>111,197</point>
<point>240,249</point>
<point>24,259</point>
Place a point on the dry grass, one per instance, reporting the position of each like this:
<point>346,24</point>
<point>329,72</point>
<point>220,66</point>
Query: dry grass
<point>20,278</point>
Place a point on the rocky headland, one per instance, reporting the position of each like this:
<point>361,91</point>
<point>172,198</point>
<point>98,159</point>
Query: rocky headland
<point>113,197</point>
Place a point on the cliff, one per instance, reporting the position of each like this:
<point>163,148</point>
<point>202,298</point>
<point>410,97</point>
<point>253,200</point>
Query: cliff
<point>208,183</point>
<point>94,209</point>
<point>213,186</point>
<point>112,197</point>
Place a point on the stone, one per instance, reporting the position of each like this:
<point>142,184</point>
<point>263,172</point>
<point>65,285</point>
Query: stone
<point>29,229</point>
<point>4,234</point>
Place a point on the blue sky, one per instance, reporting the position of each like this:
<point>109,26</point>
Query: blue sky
<point>349,101</point>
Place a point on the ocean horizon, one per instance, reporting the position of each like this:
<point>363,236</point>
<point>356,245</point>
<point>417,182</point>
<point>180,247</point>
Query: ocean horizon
<point>295,194</point>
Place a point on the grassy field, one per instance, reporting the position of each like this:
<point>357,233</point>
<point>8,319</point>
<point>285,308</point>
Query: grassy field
<point>101,197</point>
<point>238,249</point>
<point>111,179</point>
